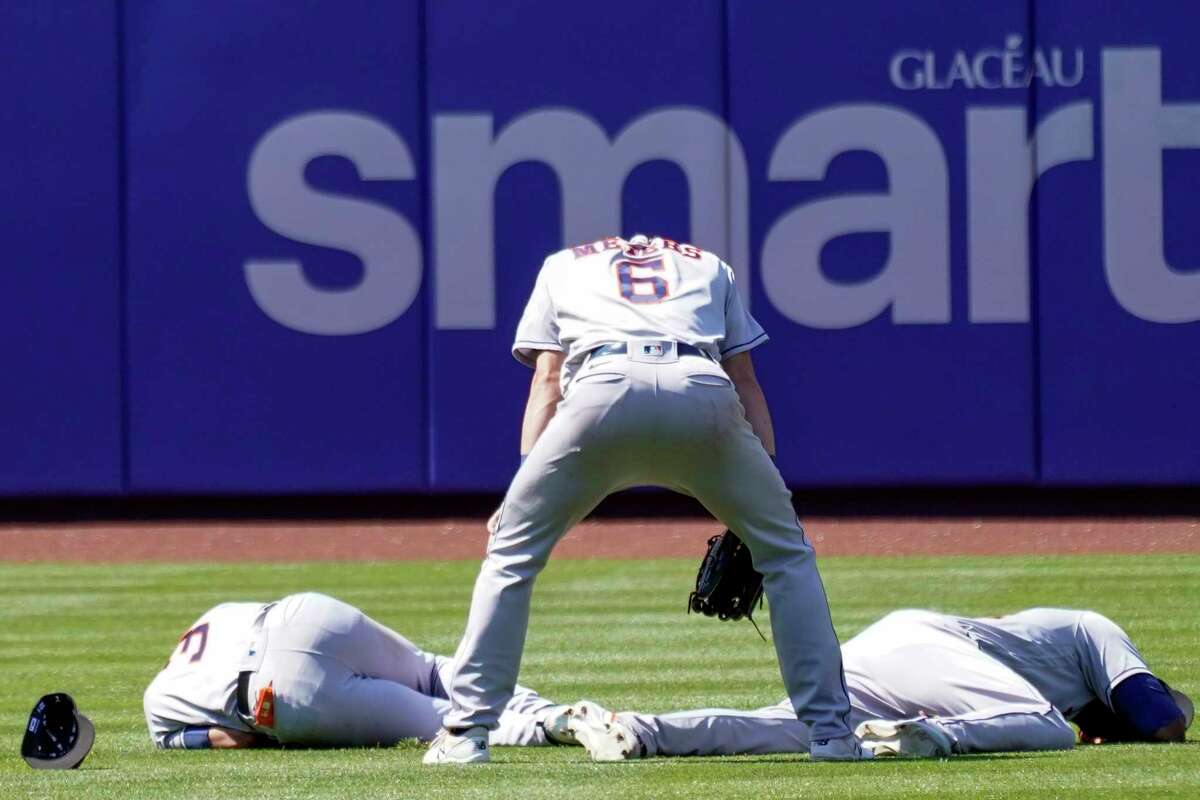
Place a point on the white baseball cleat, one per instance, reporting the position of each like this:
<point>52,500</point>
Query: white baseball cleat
<point>469,747</point>
<point>846,748</point>
<point>556,724</point>
<point>604,736</point>
<point>906,738</point>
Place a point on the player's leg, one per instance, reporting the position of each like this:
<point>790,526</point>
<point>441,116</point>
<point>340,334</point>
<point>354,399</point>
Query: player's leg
<point>1021,727</point>
<point>527,701</point>
<point>327,706</point>
<point>340,709</point>
<point>319,655</point>
<point>525,720</point>
<point>573,466</point>
<point>342,679</point>
<point>319,698</point>
<point>734,478</point>
<point>910,669</point>
<point>337,629</point>
<point>717,731</point>
<point>319,701</point>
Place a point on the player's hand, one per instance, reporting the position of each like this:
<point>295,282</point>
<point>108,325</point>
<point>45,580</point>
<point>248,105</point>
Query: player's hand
<point>229,739</point>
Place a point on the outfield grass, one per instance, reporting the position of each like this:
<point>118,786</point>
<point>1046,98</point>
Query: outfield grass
<point>612,631</point>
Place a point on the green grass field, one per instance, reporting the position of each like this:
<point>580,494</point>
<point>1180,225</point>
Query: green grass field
<point>612,631</point>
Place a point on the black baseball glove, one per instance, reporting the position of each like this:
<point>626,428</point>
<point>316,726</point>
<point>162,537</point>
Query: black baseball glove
<point>727,585</point>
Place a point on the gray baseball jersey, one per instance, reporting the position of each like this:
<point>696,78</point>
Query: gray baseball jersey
<point>339,678</point>
<point>1072,657</point>
<point>613,290</point>
<point>652,415</point>
<point>196,687</point>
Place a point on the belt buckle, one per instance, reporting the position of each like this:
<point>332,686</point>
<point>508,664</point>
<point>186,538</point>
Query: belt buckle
<point>653,351</point>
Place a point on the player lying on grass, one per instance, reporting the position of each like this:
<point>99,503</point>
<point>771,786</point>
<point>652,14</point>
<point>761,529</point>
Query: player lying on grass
<point>928,684</point>
<point>310,670</point>
<point>314,671</point>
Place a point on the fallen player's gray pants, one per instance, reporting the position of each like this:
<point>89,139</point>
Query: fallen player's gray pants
<point>341,679</point>
<point>678,425</point>
<point>909,664</point>
<point>775,729</point>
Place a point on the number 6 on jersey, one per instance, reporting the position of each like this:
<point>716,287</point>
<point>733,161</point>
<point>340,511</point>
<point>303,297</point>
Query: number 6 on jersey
<point>636,285</point>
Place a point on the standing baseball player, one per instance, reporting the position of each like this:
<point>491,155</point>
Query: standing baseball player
<point>642,376</point>
<point>924,684</point>
<point>310,670</point>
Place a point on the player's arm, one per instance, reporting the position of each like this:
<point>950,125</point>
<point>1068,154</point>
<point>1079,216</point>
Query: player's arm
<point>740,369</point>
<point>229,739</point>
<point>545,392</point>
<point>205,737</point>
<point>1148,707</point>
<point>1144,709</point>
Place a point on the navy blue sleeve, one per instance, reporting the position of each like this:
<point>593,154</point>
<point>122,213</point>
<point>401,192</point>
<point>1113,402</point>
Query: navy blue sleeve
<point>193,737</point>
<point>1144,705</point>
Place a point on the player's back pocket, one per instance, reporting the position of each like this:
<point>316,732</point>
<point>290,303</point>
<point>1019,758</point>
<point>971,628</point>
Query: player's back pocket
<point>600,377</point>
<point>709,379</point>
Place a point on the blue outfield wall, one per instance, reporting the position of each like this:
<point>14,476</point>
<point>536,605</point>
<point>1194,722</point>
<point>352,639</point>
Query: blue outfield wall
<point>860,197</point>
<point>276,319</point>
<point>60,405</point>
<point>1119,251</point>
<point>264,250</point>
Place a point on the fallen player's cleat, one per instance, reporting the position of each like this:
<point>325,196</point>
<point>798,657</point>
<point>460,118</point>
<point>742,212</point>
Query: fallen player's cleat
<point>908,738</point>
<point>556,724</point>
<point>604,736</point>
<point>846,748</point>
<point>469,747</point>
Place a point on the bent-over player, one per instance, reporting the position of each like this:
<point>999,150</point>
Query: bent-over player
<point>928,684</point>
<point>642,376</point>
<point>310,670</point>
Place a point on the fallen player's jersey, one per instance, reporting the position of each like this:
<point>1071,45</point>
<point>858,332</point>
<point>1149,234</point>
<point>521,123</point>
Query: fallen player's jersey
<point>614,290</point>
<point>1071,657</point>
<point>197,686</point>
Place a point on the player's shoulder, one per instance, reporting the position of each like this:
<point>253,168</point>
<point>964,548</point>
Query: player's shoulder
<point>587,252</point>
<point>559,258</point>
<point>701,261</point>
<point>693,252</point>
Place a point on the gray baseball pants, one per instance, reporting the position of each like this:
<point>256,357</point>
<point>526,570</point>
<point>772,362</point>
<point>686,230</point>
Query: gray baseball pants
<point>341,679</point>
<point>775,729</point>
<point>674,422</point>
<point>896,669</point>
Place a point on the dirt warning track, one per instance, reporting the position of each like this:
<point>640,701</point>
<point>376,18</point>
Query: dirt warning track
<point>465,538</point>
